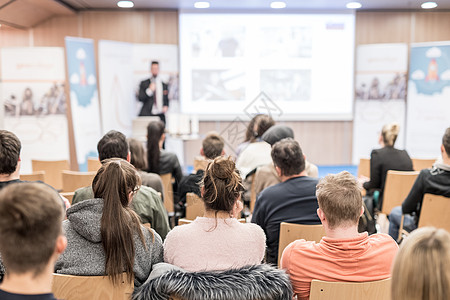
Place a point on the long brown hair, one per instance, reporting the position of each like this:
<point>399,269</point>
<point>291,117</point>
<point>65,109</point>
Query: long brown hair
<point>114,182</point>
<point>154,132</point>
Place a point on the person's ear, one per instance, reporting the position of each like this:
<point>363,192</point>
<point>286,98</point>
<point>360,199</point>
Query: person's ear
<point>129,156</point>
<point>202,191</point>
<point>362,211</point>
<point>202,153</point>
<point>278,171</point>
<point>61,244</point>
<point>442,150</point>
<point>321,215</point>
<point>304,156</point>
<point>223,153</point>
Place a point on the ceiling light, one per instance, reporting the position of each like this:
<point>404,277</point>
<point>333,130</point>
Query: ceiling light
<point>125,4</point>
<point>354,5</point>
<point>429,5</point>
<point>201,4</point>
<point>278,4</point>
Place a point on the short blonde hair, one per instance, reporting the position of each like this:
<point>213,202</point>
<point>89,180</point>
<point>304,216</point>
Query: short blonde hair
<point>421,269</point>
<point>390,133</point>
<point>340,199</point>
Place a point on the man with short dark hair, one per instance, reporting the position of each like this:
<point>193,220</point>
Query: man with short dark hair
<point>31,240</point>
<point>293,200</point>
<point>146,202</point>
<point>434,181</point>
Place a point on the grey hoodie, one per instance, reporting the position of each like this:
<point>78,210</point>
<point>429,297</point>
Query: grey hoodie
<point>85,255</point>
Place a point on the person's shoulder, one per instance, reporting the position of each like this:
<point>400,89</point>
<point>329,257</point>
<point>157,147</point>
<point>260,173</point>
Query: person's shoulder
<point>179,233</point>
<point>384,240</point>
<point>145,81</point>
<point>252,227</point>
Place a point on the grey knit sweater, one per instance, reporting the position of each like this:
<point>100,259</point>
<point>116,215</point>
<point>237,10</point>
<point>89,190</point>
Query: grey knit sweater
<point>85,255</point>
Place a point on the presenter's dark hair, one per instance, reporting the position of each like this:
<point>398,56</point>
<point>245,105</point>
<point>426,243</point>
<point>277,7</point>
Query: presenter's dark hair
<point>154,62</point>
<point>9,152</point>
<point>113,145</point>
<point>288,156</point>
<point>154,132</point>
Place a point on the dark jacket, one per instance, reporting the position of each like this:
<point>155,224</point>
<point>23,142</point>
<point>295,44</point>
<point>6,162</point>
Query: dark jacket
<point>147,100</point>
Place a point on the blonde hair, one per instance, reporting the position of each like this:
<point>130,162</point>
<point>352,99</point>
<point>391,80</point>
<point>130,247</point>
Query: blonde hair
<point>390,133</point>
<point>340,199</point>
<point>421,269</point>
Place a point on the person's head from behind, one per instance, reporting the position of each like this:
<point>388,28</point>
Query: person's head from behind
<point>116,182</point>
<point>340,201</point>
<point>154,68</point>
<point>113,145</point>
<point>222,185</point>
<point>445,147</point>
<point>389,134</point>
<point>31,237</point>
<point>288,158</point>
<point>262,124</point>
<point>138,157</point>
<point>276,133</point>
<point>212,146</point>
<point>421,269</point>
<point>155,139</point>
<point>9,152</point>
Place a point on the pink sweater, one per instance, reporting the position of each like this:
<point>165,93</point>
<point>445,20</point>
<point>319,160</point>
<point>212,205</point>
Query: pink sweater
<point>201,247</point>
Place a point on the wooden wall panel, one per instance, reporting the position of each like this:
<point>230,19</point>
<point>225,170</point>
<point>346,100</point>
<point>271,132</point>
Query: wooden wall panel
<point>432,26</point>
<point>51,33</point>
<point>11,37</point>
<point>166,27</point>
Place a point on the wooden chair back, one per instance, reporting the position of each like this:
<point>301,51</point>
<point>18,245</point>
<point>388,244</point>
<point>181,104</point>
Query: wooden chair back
<point>200,163</point>
<point>420,164</point>
<point>397,187</point>
<point>168,192</point>
<point>194,206</point>
<point>53,170</point>
<point>93,164</point>
<point>364,167</point>
<point>68,196</point>
<point>435,211</point>
<point>252,193</point>
<point>372,290</point>
<point>73,180</point>
<point>290,232</point>
<point>69,287</point>
<point>35,176</point>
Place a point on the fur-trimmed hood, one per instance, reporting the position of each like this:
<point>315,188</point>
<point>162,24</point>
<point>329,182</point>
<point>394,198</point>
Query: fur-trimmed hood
<point>259,282</point>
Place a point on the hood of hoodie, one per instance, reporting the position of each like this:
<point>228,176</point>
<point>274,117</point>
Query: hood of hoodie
<point>85,218</point>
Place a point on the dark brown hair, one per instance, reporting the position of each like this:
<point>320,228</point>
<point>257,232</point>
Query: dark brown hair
<point>446,141</point>
<point>31,216</point>
<point>288,156</point>
<point>154,132</point>
<point>9,152</point>
<point>114,181</point>
<point>138,156</point>
<point>257,126</point>
<point>212,145</point>
<point>112,145</point>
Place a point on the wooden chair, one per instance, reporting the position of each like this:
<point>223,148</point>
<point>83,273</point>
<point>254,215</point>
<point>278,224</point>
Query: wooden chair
<point>364,167</point>
<point>73,180</point>
<point>69,287</point>
<point>35,176</point>
<point>397,187</point>
<point>420,164</point>
<point>290,232</point>
<point>252,193</point>
<point>435,211</point>
<point>194,206</point>
<point>372,290</point>
<point>168,192</point>
<point>68,196</point>
<point>53,170</point>
<point>93,164</point>
<point>200,163</point>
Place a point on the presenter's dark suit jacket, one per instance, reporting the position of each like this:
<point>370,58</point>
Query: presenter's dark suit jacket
<point>148,100</point>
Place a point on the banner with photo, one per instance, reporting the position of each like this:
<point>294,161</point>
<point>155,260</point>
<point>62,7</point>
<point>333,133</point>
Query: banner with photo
<point>380,94</point>
<point>428,98</point>
<point>83,98</point>
<point>34,103</point>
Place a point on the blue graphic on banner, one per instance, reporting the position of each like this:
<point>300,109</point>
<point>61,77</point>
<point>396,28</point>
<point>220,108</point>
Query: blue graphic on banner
<point>430,69</point>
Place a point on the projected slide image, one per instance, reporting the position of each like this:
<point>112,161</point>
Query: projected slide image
<point>223,43</point>
<point>218,85</point>
<point>286,42</point>
<point>383,86</point>
<point>287,85</point>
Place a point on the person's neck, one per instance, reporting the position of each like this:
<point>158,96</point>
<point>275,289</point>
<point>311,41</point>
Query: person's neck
<point>219,214</point>
<point>445,159</point>
<point>9,177</point>
<point>342,232</point>
<point>28,284</point>
<point>285,178</point>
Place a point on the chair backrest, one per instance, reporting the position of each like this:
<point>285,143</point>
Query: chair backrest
<point>73,180</point>
<point>53,170</point>
<point>435,211</point>
<point>364,167</point>
<point>372,290</point>
<point>69,287</point>
<point>35,176</point>
<point>68,196</point>
<point>290,232</point>
<point>397,187</point>
<point>200,163</point>
<point>194,206</point>
<point>168,192</point>
<point>419,164</point>
<point>93,164</point>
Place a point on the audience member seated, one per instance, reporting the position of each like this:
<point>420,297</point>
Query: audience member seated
<point>293,200</point>
<point>422,266</point>
<point>31,239</point>
<point>267,175</point>
<point>139,160</point>
<point>433,181</point>
<point>146,202</point>
<point>216,241</point>
<point>343,254</point>
<point>249,135</point>
<point>385,159</point>
<point>105,236</point>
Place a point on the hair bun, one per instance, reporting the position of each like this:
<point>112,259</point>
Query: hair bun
<point>222,168</point>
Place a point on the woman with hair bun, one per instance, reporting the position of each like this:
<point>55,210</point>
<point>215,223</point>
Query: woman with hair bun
<point>385,159</point>
<point>217,241</point>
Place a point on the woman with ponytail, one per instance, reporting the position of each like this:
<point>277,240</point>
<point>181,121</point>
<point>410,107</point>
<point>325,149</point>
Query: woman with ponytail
<point>105,236</point>
<point>217,241</point>
<point>385,159</point>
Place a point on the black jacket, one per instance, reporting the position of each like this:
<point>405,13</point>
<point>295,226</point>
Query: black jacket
<point>147,101</point>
